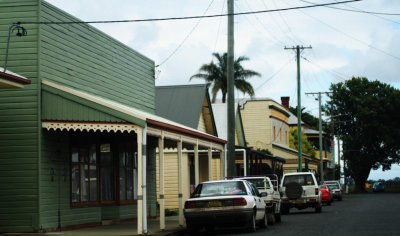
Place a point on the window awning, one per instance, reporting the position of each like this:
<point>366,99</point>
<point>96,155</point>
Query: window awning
<point>157,126</point>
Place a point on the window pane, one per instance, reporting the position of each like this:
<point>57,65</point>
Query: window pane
<point>75,155</point>
<point>107,177</point>
<point>92,154</point>
<point>75,183</point>
<point>129,184</point>
<point>83,155</point>
<point>93,183</point>
<point>122,187</point>
<point>84,183</point>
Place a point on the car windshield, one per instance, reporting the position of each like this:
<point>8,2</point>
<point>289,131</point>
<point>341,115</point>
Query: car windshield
<point>300,179</point>
<point>219,189</point>
<point>258,182</point>
<point>333,186</point>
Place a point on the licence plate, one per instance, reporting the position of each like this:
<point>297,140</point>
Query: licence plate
<point>214,204</point>
<point>299,201</point>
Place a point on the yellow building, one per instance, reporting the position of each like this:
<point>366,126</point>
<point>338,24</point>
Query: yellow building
<point>266,126</point>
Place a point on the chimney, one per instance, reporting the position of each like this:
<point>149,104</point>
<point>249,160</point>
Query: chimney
<point>285,102</point>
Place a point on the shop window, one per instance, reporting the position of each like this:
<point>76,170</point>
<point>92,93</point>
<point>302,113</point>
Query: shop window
<point>127,173</point>
<point>103,173</point>
<point>84,174</point>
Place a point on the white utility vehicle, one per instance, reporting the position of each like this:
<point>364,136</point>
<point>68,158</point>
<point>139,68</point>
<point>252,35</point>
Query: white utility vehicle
<point>300,190</point>
<point>268,184</point>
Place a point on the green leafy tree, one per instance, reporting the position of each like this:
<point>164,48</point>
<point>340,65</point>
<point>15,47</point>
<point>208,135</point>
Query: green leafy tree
<point>306,146</point>
<point>367,121</point>
<point>216,74</point>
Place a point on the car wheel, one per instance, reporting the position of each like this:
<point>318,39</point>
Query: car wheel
<point>329,203</point>
<point>264,222</point>
<point>252,224</point>
<point>318,208</point>
<point>210,228</point>
<point>271,218</point>
<point>278,217</point>
<point>285,210</point>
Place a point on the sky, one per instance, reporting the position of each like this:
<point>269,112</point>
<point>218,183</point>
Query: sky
<point>344,43</point>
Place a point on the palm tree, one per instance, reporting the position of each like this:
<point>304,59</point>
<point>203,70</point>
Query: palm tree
<point>216,74</point>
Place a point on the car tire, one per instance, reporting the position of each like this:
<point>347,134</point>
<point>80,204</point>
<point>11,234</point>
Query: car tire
<point>278,217</point>
<point>271,219</point>
<point>252,223</point>
<point>328,203</point>
<point>293,190</point>
<point>285,210</point>
<point>263,224</point>
<point>318,208</point>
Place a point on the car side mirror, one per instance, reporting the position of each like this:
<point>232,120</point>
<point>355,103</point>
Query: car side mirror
<point>263,194</point>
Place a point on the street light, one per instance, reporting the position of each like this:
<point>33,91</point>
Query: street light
<point>21,32</point>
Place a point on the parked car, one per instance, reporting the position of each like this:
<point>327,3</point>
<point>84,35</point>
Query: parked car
<point>225,203</point>
<point>335,189</point>
<point>326,196</point>
<point>300,190</point>
<point>378,187</point>
<point>268,184</point>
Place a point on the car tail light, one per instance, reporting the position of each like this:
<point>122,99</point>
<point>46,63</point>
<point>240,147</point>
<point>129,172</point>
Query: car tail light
<point>239,202</point>
<point>190,204</point>
<point>312,200</point>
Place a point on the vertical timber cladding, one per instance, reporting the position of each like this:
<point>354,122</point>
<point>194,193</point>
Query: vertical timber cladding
<point>81,57</point>
<point>19,122</point>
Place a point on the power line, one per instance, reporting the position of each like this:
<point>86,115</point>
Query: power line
<point>185,17</point>
<point>376,14</point>
<point>187,36</point>
<point>360,11</point>
<point>349,36</point>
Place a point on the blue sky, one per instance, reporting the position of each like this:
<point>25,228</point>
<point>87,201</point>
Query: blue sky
<point>344,44</point>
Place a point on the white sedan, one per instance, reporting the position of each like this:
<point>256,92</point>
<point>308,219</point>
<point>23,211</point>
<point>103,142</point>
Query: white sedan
<point>225,203</point>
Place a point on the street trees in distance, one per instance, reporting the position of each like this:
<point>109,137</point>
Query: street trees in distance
<point>367,121</point>
<point>216,73</point>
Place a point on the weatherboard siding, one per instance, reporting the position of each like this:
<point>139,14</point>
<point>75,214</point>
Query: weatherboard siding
<point>82,57</point>
<point>19,122</point>
<point>257,124</point>
<point>55,194</point>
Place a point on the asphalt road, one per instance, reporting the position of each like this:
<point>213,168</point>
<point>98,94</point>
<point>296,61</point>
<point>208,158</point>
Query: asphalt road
<point>357,214</point>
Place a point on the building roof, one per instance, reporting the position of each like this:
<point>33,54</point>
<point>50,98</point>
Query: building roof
<point>183,103</point>
<point>293,119</point>
<point>221,120</point>
<point>11,80</point>
<point>146,117</point>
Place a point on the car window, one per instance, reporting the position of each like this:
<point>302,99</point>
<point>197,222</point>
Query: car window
<point>220,189</point>
<point>300,179</point>
<point>254,191</point>
<point>258,182</point>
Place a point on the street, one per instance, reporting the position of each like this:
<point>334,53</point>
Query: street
<point>357,214</point>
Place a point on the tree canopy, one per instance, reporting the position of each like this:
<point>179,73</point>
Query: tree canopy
<point>306,146</point>
<point>216,74</point>
<point>367,121</point>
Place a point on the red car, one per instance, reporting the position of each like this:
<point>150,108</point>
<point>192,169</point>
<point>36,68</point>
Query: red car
<point>325,194</point>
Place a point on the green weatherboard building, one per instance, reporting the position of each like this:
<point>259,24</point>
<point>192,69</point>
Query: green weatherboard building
<point>70,142</point>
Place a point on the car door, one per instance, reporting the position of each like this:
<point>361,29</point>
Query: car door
<point>259,202</point>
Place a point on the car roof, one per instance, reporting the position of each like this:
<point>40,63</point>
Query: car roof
<point>299,173</point>
<point>221,181</point>
<point>252,177</point>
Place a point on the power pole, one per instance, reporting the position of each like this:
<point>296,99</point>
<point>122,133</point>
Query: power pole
<point>231,170</point>
<point>298,48</point>
<point>338,156</point>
